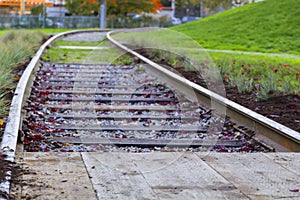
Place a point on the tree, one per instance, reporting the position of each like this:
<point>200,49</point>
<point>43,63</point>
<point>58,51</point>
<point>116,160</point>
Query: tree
<point>114,7</point>
<point>123,7</point>
<point>37,10</point>
<point>82,7</point>
<point>190,6</point>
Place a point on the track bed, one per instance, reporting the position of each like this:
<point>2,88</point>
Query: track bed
<point>120,108</point>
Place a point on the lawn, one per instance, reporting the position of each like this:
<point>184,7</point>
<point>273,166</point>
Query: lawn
<point>267,26</point>
<point>45,31</point>
<point>270,75</point>
<point>62,42</point>
<point>103,56</point>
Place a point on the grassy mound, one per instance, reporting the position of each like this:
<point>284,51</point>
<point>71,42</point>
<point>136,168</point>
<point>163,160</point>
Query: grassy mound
<point>267,26</point>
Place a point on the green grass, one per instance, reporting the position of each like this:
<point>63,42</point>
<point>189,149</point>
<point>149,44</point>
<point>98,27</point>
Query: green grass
<point>44,30</point>
<point>219,58</point>
<point>82,56</point>
<point>270,26</point>
<point>62,42</point>
<point>268,75</point>
<point>53,30</point>
<point>60,30</point>
<point>180,44</point>
<point>267,26</point>
<point>2,32</point>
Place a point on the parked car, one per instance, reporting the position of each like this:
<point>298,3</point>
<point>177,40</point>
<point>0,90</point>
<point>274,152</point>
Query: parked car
<point>189,19</point>
<point>134,16</point>
<point>176,21</point>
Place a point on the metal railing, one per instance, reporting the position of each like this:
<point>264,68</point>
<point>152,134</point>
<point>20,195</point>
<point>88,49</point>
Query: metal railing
<point>29,22</point>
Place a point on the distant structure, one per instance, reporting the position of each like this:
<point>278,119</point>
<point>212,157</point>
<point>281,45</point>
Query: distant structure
<point>58,9</point>
<point>237,3</point>
<point>168,9</point>
<point>22,7</point>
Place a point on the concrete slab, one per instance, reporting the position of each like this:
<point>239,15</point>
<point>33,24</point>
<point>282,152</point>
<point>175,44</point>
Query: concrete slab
<point>116,177</point>
<point>259,176</point>
<point>56,176</point>
<point>86,37</point>
<point>161,175</point>
<point>289,161</point>
<point>156,176</point>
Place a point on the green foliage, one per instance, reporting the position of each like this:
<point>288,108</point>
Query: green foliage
<point>123,60</point>
<point>243,83</point>
<point>267,26</point>
<point>140,68</point>
<point>4,105</point>
<point>16,46</point>
<point>267,88</point>
<point>123,7</point>
<point>114,7</point>
<point>268,77</point>
<point>82,7</point>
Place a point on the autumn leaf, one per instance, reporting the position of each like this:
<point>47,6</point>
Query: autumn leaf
<point>1,122</point>
<point>16,77</point>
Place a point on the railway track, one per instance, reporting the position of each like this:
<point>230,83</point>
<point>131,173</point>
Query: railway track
<point>72,107</point>
<point>141,107</point>
<point>75,107</point>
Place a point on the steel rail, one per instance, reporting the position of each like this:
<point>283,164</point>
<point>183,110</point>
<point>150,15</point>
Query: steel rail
<point>270,132</point>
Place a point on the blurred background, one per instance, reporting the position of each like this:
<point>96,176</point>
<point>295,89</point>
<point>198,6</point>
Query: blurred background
<point>119,13</point>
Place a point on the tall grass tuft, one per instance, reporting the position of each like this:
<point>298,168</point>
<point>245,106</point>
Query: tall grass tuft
<point>16,46</point>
